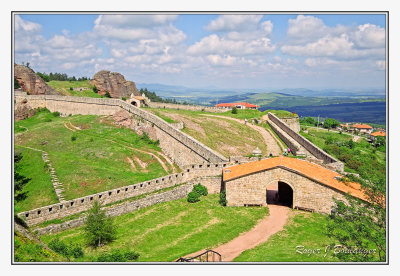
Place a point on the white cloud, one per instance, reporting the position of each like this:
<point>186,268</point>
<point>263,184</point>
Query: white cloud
<point>135,20</point>
<point>381,64</point>
<point>370,36</point>
<point>225,23</point>
<point>26,26</point>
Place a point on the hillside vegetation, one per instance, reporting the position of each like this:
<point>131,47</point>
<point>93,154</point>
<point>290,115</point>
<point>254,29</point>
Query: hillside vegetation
<point>64,87</point>
<point>227,137</point>
<point>88,153</point>
<point>169,230</point>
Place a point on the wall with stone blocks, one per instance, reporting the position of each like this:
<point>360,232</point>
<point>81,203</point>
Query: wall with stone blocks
<point>310,147</point>
<point>77,205</point>
<point>123,208</point>
<point>252,189</point>
<point>101,106</point>
<point>295,147</point>
<point>292,122</point>
<point>188,107</point>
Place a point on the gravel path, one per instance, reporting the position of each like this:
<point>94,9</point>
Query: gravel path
<point>272,145</point>
<point>259,234</point>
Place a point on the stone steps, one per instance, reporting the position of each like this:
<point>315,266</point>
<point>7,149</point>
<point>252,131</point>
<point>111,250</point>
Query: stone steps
<point>57,185</point>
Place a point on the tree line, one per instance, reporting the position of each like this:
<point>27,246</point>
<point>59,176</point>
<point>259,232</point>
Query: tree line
<point>155,98</point>
<point>59,77</point>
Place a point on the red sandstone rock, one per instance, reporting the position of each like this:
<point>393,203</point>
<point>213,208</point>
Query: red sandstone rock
<point>30,82</point>
<point>114,83</point>
<point>23,111</point>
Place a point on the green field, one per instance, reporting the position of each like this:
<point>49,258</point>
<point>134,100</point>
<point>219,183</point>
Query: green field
<point>64,88</point>
<point>97,157</point>
<point>225,136</point>
<point>169,230</point>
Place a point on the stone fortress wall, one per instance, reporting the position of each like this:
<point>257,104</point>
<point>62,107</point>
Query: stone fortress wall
<point>300,141</point>
<point>188,107</point>
<point>210,172</point>
<point>180,147</point>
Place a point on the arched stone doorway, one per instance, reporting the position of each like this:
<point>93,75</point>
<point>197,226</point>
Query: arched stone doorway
<point>134,103</point>
<point>279,193</point>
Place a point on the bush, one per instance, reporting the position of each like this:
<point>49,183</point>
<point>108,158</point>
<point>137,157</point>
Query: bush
<point>47,120</point>
<point>56,114</point>
<point>71,88</point>
<point>234,110</point>
<point>200,189</point>
<point>73,137</point>
<point>193,197</point>
<point>222,198</point>
<point>107,94</point>
<point>70,250</point>
<point>124,98</point>
<point>95,90</point>
<point>118,256</point>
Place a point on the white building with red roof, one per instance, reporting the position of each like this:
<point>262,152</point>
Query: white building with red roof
<point>237,105</point>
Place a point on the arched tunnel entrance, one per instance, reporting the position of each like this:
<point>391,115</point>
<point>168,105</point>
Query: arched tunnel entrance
<point>134,103</point>
<point>280,194</point>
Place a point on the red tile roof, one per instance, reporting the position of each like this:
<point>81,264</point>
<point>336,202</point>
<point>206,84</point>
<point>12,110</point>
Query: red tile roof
<point>378,133</point>
<point>306,168</point>
<point>235,104</point>
<point>361,126</point>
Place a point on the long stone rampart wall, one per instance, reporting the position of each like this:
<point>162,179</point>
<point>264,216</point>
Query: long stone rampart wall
<point>101,106</point>
<point>188,107</point>
<point>310,147</point>
<point>123,208</point>
<point>77,205</point>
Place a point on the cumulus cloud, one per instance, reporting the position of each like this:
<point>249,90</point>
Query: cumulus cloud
<point>225,23</point>
<point>25,26</point>
<point>370,36</point>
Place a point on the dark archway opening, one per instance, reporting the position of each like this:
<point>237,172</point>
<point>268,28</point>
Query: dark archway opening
<point>134,103</point>
<point>281,194</point>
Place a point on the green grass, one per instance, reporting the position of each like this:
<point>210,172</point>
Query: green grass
<point>225,136</point>
<point>91,163</point>
<point>165,118</point>
<point>169,230</point>
<point>39,190</point>
<point>26,250</point>
<point>306,229</point>
<point>64,88</point>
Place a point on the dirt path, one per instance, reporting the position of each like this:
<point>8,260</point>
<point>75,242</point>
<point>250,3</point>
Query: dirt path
<point>259,234</point>
<point>272,143</point>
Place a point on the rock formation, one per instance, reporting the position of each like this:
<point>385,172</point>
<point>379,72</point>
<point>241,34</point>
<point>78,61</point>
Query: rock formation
<point>23,111</point>
<point>114,83</point>
<point>30,82</point>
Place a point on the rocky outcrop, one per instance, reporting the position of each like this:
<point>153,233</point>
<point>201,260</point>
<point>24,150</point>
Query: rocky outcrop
<point>30,82</point>
<point>114,83</point>
<point>23,111</point>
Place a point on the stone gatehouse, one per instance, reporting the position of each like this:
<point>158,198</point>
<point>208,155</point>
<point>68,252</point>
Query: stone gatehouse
<point>300,184</point>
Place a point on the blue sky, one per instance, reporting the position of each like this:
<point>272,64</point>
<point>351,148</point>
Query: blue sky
<point>240,51</point>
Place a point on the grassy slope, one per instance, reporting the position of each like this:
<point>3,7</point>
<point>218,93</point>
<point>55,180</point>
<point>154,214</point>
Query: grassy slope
<point>64,88</point>
<point>91,163</point>
<point>40,189</point>
<point>302,229</point>
<point>225,136</point>
<point>167,231</point>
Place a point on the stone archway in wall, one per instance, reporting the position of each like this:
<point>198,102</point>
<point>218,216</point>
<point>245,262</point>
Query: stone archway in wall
<point>134,103</point>
<point>280,193</point>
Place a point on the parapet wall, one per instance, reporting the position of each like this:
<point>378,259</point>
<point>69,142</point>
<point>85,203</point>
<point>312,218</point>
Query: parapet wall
<point>77,205</point>
<point>310,147</point>
<point>188,107</point>
<point>123,208</point>
<point>292,122</point>
<point>100,106</point>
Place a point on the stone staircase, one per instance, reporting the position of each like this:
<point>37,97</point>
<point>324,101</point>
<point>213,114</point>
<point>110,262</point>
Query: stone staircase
<point>58,186</point>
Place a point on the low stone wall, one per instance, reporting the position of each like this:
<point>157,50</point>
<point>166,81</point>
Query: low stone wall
<point>178,126</point>
<point>310,147</point>
<point>188,107</point>
<point>295,147</point>
<point>123,208</point>
<point>212,183</point>
<point>292,122</point>
<point>77,205</point>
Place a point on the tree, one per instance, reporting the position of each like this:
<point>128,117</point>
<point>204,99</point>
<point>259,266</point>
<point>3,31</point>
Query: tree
<point>19,183</point>
<point>107,94</point>
<point>380,141</point>
<point>309,121</point>
<point>99,228</point>
<point>16,83</point>
<point>234,110</point>
<point>330,123</point>
<point>95,90</point>
<point>358,224</point>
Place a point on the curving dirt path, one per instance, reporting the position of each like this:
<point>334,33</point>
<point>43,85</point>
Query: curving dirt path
<point>265,228</point>
<point>272,144</point>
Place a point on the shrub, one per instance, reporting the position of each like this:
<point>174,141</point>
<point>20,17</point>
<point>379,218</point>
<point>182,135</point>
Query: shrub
<point>118,256</point>
<point>73,137</point>
<point>76,251</point>
<point>193,197</point>
<point>71,88</point>
<point>200,189</point>
<point>56,114</point>
<point>234,110</point>
<point>47,120</point>
<point>107,94</point>
<point>222,198</point>
<point>70,250</point>
<point>124,98</point>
